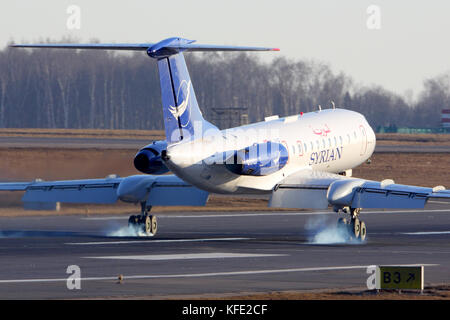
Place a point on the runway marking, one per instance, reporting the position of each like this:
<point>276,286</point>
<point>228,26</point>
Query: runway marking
<point>211,274</point>
<point>153,241</point>
<point>269,214</point>
<point>423,233</point>
<point>188,256</point>
<point>435,201</point>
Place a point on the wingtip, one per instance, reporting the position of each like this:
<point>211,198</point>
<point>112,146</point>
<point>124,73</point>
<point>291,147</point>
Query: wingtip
<point>276,49</point>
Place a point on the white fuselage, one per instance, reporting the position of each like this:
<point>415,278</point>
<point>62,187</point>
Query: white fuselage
<point>332,140</point>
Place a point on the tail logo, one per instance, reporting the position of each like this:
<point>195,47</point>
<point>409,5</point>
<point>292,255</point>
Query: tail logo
<point>179,110</point>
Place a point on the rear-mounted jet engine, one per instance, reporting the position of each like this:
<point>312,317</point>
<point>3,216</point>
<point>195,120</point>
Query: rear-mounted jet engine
<point>148,159</point>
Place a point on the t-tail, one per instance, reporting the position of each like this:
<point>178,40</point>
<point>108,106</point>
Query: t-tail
<point>183,119</point>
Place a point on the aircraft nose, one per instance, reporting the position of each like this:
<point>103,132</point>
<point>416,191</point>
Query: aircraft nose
<point>372,139</point>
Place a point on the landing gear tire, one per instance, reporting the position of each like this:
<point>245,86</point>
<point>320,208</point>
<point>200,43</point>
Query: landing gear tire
<point>144,222</point>
<point>356,228</point>
<point>153,224</point>
<point>149,225</point>
<point>146,225</point>
<point>363,232</point>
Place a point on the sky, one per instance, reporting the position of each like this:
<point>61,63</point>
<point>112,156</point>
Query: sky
<point>396,44</point>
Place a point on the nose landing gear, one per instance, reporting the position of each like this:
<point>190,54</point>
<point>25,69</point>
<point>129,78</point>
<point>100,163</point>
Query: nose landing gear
<point>144,222</point>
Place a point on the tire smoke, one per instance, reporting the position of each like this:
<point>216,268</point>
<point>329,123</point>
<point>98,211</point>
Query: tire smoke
<point>126,231</point>
<point>326,231</point>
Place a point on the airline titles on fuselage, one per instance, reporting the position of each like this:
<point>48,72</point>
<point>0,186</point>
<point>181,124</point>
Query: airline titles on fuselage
<point>326,155</point>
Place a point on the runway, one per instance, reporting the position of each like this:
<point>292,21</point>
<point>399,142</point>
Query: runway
<point>204,254</point>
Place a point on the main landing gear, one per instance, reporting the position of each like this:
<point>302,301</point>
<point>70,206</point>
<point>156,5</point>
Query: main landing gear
<point>356,228</point>
<point>144,222</point>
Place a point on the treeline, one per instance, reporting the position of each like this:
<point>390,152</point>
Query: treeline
<point>99,89</point>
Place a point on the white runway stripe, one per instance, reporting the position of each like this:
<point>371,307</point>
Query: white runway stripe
<point>154,241</point>
<point>439,202</point>
<point>187,256</point>
<point>199,275</point>
<point>423,233</point>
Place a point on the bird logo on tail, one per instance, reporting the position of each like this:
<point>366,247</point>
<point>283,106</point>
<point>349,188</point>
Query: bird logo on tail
<point>177,111</point>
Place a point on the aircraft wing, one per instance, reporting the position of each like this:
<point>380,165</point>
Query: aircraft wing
<point>318,190</point>
<point>74,191</point>
<point>166,190</point>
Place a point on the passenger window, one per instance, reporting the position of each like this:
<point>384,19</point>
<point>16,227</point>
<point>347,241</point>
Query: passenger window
<point>312,146</point>
<point>329,142</point>
<point>335,142</point>
<point>306,148</point>
<point>323,143</point>
<point>340,138</point>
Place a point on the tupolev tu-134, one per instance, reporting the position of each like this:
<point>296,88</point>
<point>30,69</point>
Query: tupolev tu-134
<point>300,161</point>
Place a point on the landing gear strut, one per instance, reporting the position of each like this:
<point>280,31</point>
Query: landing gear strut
<point>145,222</point>
<point>357,228</point>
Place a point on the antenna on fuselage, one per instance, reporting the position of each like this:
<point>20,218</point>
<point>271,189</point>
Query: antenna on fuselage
<point>333,105</point>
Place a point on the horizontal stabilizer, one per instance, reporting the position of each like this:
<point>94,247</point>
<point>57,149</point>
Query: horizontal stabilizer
<point>168,47</point>
<point>100,46</point>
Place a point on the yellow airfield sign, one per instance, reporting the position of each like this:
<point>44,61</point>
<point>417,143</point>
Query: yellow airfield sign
<point>400,277</point>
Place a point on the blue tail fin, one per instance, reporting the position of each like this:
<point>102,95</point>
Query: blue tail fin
<point>182,116</point>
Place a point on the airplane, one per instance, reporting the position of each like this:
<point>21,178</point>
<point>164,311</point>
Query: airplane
<point>299,161</point>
